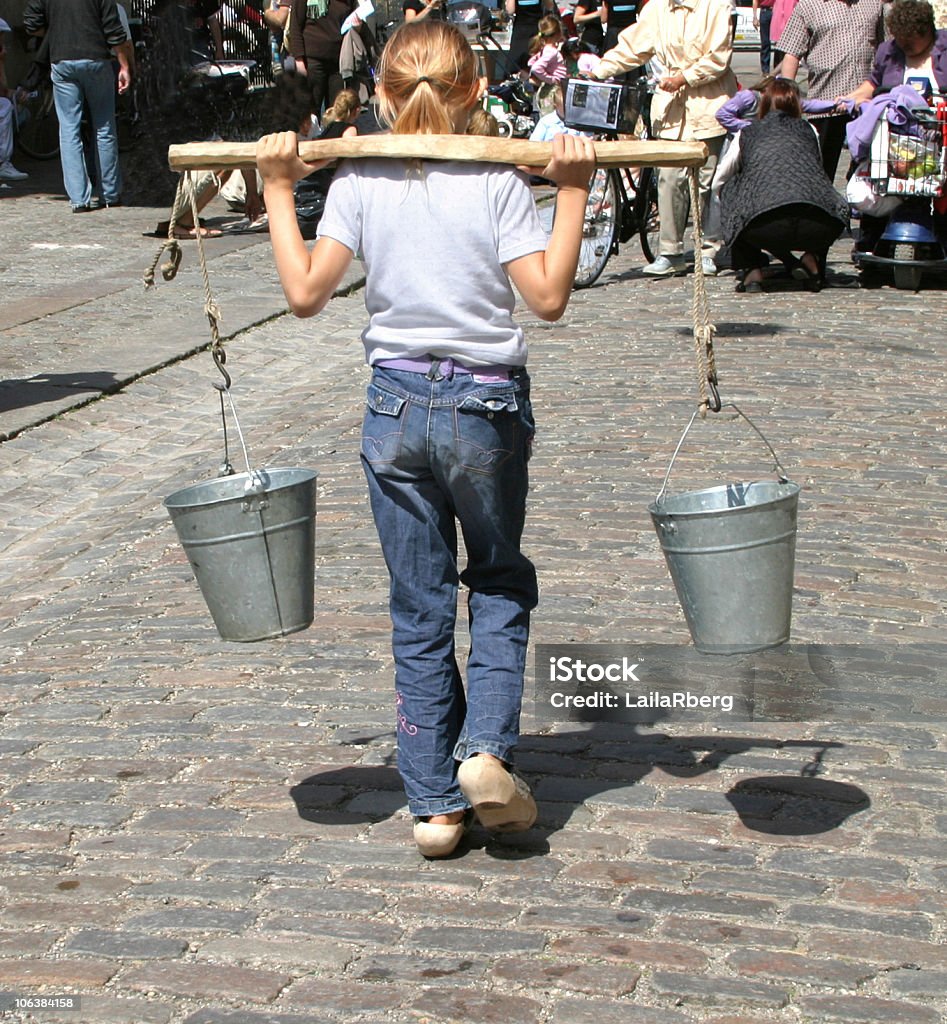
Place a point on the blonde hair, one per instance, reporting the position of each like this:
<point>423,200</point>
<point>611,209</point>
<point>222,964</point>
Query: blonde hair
<point>343,107</point>
<point>426,73</point>
<point>482,122</point>
<point>550,28</point>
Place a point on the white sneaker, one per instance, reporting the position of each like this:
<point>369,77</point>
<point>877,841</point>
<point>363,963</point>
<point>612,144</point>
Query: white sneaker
<point>709,267</point>
<point>666,266</point>
<point>10,173</point>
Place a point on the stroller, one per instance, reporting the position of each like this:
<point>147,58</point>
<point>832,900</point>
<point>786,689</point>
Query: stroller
<point>901,193</point>
<point>511,103</point>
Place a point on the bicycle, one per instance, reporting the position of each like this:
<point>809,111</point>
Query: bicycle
<point>37,133</point>
<point>619,205</point>
<point>618,208</point>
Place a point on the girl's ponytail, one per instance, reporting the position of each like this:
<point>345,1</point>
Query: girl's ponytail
<point>423,112</point>
<point>343,107</point>
<point>550,28</point>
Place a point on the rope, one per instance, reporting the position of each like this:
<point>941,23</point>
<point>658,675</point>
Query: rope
<point>700,312</point>
<point>211,309</point>
<point>169,270</point>
<point>187,190</point>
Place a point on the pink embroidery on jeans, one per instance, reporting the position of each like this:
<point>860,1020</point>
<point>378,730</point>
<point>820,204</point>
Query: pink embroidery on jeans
<point>403,724</point>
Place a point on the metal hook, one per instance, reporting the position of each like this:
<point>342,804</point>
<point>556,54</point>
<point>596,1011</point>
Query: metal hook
<point>713,403</point>
<point>220,357</point>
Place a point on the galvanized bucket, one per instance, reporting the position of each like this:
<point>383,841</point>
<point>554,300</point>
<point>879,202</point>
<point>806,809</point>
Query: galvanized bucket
<point>730,550</point>
<point>250,539</point>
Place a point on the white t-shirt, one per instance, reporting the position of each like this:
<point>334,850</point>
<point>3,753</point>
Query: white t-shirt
<point>434,240</point>
<point>920,73</point>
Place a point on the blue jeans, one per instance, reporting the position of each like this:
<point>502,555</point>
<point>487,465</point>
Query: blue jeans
<point>88,84</point>
<point>766,45</point>
<point>438,450</point>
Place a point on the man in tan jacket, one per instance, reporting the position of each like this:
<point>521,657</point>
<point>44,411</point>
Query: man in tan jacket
<point>691,40</point>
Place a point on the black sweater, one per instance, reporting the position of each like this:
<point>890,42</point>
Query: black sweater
<point>77,29</point>
<point>315,37</point>
<point>781,165</point>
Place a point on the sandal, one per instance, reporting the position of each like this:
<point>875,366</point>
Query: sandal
<point>246,226</point>
<point>501,800</point>
<point>183,233</point>
<point>191,233</point>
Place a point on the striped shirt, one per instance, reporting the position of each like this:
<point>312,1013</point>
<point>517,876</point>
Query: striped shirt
<point>837,40</point>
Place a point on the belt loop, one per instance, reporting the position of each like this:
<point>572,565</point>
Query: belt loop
<point>432,373</point>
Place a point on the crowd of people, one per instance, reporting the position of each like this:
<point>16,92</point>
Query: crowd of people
<point>841,44</point>
<point>850,51</point>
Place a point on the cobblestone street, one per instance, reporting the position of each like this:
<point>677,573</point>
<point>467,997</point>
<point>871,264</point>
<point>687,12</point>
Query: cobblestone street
<point>202,832</point>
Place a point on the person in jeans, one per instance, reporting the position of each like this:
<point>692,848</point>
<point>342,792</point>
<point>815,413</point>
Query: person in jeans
<point>82,37</point>
<point>448,423</point>
<point>7,117</point>
<point>762,20</point>
<point>691,40</point>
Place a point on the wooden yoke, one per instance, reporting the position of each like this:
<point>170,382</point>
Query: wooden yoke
<point>195,156</point>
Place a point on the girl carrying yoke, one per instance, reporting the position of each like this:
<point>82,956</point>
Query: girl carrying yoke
<point>448,424</point>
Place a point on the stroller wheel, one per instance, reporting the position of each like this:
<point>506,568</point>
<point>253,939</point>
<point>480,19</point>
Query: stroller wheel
<point>907,278</point>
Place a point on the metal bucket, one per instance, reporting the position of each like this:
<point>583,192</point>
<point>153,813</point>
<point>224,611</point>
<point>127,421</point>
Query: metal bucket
<point>250,539</point>
<point>731,550</point>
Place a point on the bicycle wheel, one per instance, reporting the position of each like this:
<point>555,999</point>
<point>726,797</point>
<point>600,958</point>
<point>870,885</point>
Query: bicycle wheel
<point>646,213</point>
<point>600,227</point>
<point>38,133</point>
<point>127,126</point>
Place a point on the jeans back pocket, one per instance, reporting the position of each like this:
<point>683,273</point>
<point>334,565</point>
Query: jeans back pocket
<point>383,427</point>
<point>487,430</point>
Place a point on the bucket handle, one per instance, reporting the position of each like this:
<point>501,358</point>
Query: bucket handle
<point>777,467</point>
<point>255,485</point>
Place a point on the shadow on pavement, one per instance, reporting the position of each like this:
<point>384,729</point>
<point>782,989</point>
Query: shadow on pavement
<point>45,387</point>
<point>802,805</point>
<point>736,329</point>
<point>778,804</point>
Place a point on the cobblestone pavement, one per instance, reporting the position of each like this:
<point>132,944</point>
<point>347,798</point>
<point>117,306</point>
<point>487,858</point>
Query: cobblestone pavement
<point>199,832</point>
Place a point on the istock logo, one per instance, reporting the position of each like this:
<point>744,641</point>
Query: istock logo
<point>566,669</point>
